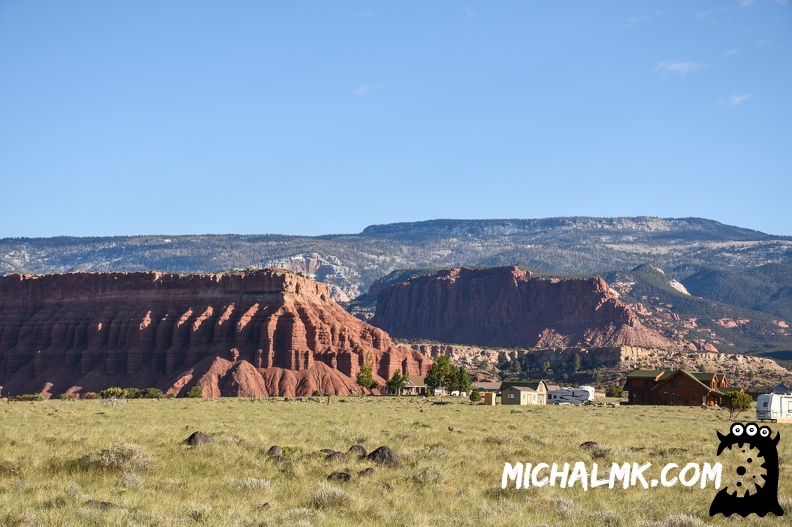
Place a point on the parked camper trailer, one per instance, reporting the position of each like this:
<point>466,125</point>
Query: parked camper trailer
<point>776,407</point>
<point>570,395</point>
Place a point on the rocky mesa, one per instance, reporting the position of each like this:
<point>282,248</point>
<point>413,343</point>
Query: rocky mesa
<point>508,307</point>
<point>257,333</point>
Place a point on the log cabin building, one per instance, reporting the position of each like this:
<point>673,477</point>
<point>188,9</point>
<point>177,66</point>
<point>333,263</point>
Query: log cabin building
<point>676,387</point>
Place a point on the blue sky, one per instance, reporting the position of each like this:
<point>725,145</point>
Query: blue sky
<point>168,117</point>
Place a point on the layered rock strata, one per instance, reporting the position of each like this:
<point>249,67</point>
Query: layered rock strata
<point>508,307</point>
<point>257,333</point>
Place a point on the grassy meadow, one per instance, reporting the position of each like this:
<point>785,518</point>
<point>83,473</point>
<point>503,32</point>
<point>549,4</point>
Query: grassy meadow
<point>57,464</point>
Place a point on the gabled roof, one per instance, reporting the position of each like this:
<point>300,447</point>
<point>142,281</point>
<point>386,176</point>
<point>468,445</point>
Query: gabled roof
<point>704,376</point>
<point>416,381</point>
<point>686,373</point>
<point>521,388</point>
<point>645,374</point>
<point>530,383</point>
<point>487,385</point>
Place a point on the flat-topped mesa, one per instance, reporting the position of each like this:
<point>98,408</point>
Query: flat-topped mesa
<point>17,288</point>
<point>508,307</point>
<point>258,333</point>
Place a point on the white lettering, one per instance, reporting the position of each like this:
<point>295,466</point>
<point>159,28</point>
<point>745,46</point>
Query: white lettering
<point>664,473</point>
<point>594,481</point>
<point>535,472</point>
<point>620,472</point>
<point>713,473</point>
<point>689,482</point>
<point>555,474</point>
<point>514,473</point>
<point>637,474</point>
<point>579,474</point>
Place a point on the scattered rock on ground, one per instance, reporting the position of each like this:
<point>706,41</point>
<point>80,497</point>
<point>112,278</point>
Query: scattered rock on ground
<point>275,451</point>
<point>590,445</point>
<point>336,456</point>
<point>385,456</point>
<point>199,438</point>
<point>357,450</point>
<point>367,472</point>
<point>339,476</point>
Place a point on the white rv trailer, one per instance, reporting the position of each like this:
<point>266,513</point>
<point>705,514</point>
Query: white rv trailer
<point>570,395</point>
<point>776,407</point>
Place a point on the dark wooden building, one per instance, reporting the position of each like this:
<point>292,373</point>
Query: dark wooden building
<point>675,387</point>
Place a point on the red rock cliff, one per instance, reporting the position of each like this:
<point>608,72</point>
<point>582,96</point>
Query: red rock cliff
<point>256,333</point>
<point>507,307</point>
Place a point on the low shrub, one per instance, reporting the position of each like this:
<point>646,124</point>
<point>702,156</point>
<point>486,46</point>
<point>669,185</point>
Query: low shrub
<point>123,456</point>
<point>194,393</point>
<point>113,392</point>
<point>27,397</point>
<point>330,497</point>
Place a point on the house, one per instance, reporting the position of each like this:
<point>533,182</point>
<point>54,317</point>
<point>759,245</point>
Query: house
<point>521,395</point>
<point>675,387</point>
<point>780,389</point>
<point>487,387</point>
<point>415,386</point>
<point>539,386</point>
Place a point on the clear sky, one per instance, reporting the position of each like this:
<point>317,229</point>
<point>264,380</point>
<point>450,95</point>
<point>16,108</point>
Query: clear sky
<point>295,117</point>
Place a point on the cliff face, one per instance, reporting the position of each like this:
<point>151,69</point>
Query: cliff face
<point>256,333</point>
<point>507,307</point>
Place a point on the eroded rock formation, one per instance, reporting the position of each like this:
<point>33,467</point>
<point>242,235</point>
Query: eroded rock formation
<point>258,333</point>
<point>508,307</point>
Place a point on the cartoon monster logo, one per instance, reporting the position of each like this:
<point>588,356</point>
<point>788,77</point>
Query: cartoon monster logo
<point>759,493</point>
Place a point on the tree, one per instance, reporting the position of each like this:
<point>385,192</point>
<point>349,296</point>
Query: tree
<point>463,381</point>
<point>397,382</point>
<point>195,392</point>
<point>475,396</point>
<point>736,402</point>
<point>443,374</point>
<point>614,391</point>
<point>113,392</point>
<point>365,377</point>
<point>437,376</point>
<point>575,362</point>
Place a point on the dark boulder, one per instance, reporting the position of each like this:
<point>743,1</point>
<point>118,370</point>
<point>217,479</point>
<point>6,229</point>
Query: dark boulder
<point>198,438</point>
<point>357,450</point>
<point>385,456</point>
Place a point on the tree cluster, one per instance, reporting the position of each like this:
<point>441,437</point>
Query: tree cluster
<point>443,374</point>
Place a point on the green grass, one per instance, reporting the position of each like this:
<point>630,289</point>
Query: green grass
<point>49,471</point>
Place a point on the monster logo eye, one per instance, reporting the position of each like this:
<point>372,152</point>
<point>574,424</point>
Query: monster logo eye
<point>751,429</point>
<point>764,432</point>
<point>737,429</point>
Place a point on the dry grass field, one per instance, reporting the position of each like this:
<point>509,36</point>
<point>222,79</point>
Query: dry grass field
<point>85,463</point>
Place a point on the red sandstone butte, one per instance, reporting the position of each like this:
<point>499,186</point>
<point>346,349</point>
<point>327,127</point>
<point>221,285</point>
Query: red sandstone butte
<point>255,333</point>
<point>508,307</point>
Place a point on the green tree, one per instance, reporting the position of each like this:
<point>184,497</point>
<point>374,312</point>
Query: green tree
<point>475,396</point>
<point>736,402</point>
<point>575,362</point>
<point>113,392</point>
<point>365,377</point>
<point>194,393</point>
<point>437,376</point>
<point>397,382</point>
<point>151,393</point>
<point>614,391</point>
<point>463,381</point>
